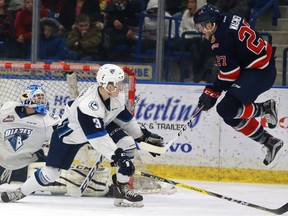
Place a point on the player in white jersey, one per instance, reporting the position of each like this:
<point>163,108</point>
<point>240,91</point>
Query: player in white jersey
<point>84,121</point>
<point>24,127</point>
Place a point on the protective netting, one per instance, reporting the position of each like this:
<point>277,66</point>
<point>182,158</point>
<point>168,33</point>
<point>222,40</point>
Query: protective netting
<point>60,85</point>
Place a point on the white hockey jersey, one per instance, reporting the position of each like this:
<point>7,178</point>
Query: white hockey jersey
<point>21,136</point>
<point>88,117</point>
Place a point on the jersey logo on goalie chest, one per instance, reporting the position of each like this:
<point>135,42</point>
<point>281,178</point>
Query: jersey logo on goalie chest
<point>16,136</point>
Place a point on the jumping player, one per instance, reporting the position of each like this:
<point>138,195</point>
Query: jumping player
<point>85,120</point>
<point>24,128</point>
<point>247,69</point>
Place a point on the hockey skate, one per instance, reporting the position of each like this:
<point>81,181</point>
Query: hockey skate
<point>270,113</point>
<point>122,193</point>
<point>12,196</point>
<point>276,150</point>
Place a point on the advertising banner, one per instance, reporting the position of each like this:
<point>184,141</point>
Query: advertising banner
<point>164,109</point>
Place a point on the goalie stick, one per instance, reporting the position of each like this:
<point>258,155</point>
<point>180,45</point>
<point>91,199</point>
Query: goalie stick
<point>160,150</point>
<point>277,211</point>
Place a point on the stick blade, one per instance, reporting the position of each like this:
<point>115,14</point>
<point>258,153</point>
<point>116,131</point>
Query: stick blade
<point>152,148</point>
<point>281,210</point>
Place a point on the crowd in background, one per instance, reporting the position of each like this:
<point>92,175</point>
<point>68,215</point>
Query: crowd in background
<point>104,30</point>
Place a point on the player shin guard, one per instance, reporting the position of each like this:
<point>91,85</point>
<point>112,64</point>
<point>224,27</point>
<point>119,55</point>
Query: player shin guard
<point>267,109</point>
<point>251,128</point>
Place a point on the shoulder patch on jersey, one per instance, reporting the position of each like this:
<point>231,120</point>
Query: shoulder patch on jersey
<point>235,22</point>
<point>9,118</point>
<point>93,105</point>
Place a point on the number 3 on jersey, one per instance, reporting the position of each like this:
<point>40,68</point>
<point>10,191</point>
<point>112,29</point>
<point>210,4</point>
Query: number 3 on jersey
<point>97,123</point>
<point>251,43</point>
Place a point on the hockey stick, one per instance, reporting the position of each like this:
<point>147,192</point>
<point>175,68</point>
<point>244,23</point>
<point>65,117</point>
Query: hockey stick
<point>77,192</point>
<point>160,150</point>
<point>277,211</point>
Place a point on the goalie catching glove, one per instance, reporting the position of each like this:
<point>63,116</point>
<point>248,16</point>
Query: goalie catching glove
<point>208,98</point>
<point>126,167</point>
<point>151,138</point>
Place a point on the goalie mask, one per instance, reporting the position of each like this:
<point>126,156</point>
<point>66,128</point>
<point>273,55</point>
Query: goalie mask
<point>33,96</point>
<point>110,73</point>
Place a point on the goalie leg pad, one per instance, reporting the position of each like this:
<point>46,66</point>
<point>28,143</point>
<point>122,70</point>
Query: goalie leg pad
<point>97,187</point>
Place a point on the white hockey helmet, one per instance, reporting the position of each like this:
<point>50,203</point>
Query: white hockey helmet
<point>33,96</point>
<point>109,73</point>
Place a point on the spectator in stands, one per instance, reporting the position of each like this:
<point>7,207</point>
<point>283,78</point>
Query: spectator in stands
<point>122,25</point>
<point>150,25</point>
<point>7,36</point>
<point>54,6</point>
<point>238,7</point>
<point>14,6</point>
<point>23,27</point>
<point>176,8</point>
<point>103,4</point>
<point>51,45</point>
<point>83,41</point>
<point>73,8</point>
<point>202,57</point>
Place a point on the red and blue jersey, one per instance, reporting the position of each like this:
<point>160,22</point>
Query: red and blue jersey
<point>237,47</point>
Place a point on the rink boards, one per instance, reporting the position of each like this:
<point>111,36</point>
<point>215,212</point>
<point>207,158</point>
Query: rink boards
<point>209,149</point>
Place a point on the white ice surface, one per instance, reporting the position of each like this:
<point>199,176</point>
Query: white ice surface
<point>184,202</point>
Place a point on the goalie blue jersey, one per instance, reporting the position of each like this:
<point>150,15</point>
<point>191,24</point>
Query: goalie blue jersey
<point>237,47</point>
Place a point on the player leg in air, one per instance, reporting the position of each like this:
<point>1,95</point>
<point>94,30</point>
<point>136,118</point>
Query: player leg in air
<point>243,119</point>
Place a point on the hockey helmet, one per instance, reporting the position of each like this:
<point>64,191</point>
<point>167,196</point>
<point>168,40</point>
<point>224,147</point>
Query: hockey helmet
<point>207,13</point>
<point>110,73</point>
<point>33,96</point>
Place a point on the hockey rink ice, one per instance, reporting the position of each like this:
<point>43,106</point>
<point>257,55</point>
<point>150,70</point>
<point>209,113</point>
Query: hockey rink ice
<point>184,202</point>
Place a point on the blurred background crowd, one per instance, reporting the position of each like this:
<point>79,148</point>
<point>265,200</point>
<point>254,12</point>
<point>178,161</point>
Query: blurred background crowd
<point>110,30</point>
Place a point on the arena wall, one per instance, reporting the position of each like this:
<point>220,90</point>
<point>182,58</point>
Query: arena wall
<point>209,149</point>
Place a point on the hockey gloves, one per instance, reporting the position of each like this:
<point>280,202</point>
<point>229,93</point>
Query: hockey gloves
<point>151,138</point>
<point>126,167</point>
<point>208,98</point>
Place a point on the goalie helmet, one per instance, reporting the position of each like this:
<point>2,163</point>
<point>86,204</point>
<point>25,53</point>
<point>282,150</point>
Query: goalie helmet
<point>33,96</point>
<point>109,73</point>
<point>207,13</point>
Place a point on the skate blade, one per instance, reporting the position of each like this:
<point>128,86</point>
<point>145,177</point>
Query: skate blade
<point>281,153</point>
<point>127,204</point>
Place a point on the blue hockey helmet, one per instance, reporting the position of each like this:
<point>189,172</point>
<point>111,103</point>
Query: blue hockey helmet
<point>207,13</point>
<point>33,96</point>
